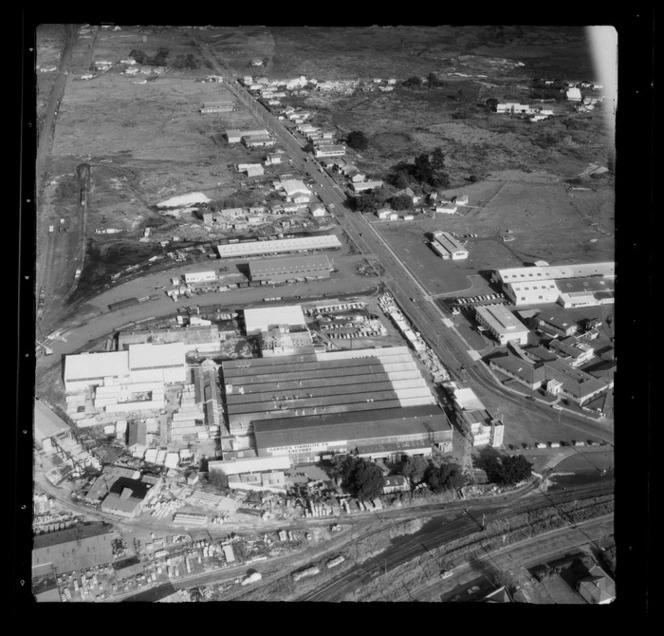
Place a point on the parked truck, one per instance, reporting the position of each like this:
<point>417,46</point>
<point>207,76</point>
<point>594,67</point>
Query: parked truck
<point>312,571</point>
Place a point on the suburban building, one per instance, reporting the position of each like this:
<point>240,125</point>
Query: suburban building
<point>76,548</point>
<point>448,247</point>
<point>293,187</point>
<point>222,107</point>
<point>395,483</point>
<point>259,248</point>
<point>446,208</point>
<point>574,94</point>
<point>502,324</point>
<point>560,326</point>
<point>598,588</point>
<point>530,375</point>
<point>257,141</point>
<point>330,151</point>
<point>363,186</point>
<point>290,267</point>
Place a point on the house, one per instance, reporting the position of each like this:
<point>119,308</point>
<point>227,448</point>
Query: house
<point>383,214</point>
<point>446,208</point>
<point>274,158</point>
<point>361,186</point>
<point>318,212</point>
<point>559,325</point>
<point>301,198</point>
<point>574,95</point>
<point>357,177</point>
<point>598,588</point>
<point>530,375</point>
<point>254,170</point>
<point>395,483</point>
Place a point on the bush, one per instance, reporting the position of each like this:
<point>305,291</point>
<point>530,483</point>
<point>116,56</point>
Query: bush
<point>445,477</point>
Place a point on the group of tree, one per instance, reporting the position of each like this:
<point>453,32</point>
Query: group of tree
<point>427,169</point>
<point>361,477</point>
<point>401,202</point>
<point>357,140</point>
<point>185,61</point>
<point>439,477</point>
<point>142,57</point>
<point>507,470</point>
<point>369,201</point>
<point>415,82</point>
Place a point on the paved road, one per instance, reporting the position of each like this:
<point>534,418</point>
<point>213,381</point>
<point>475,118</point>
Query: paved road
<point>413,298</point>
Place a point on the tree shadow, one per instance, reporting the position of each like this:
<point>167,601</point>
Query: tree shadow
<point>488,461</point>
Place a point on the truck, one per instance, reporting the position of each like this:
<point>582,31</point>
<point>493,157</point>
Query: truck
<point>51,229</point>
<point>77,274</point>
<point>312,571</point>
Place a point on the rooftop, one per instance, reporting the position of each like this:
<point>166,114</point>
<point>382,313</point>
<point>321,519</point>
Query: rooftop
<point>501,319</point>
<point>259,319</point>
<point>150,356</point>
<point>96,365</point>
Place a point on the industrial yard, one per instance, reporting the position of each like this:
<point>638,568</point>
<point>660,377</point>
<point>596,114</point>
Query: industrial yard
<point>305,298</point>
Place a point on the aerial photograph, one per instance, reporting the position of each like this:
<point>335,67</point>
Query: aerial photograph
<point>324,313</point>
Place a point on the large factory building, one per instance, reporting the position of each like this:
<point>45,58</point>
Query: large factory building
<point>277,270</point>
<point>351,389</point>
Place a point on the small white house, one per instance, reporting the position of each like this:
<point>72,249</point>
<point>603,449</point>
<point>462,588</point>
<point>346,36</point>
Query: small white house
<point>446,208</point>
<point>318,212</point>
<point>574,95</point>
<point>394,216</point>
<point>383,214</point>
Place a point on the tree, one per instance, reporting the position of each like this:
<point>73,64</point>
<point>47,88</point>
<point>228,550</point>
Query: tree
<point>492,104</point>
<point>401,202</point>
<point>414,468</point>
<point>514,468</point>
<point>434,81</point>
<point>357,140</point>
<point>413,82</point>
<point>309,147</point>
<point>438,159</point>
<point>446,477</point>
<point>366,479</point>
<point>138,55</point>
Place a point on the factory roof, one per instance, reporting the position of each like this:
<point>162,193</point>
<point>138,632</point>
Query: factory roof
<point>251,465</point>
<point>254,248</point>
<point>530,373</point>
<point>268,266</point>
<point>70,535</point>
<point>586,284</point>
<point>259,319</point>
<point>47,423</point>
<point>521,274</point>
<point>151,356</point>
<point>467,399</point>
<point>500,319</point>
<point>416,420</point>
<point>85,366</point>
<point>449,243</point>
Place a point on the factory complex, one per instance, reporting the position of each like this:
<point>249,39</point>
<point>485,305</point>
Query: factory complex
<point>581,285</point>
<point>279,246</point>
<point>290,268</point>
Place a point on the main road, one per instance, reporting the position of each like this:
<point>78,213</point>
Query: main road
<point>412,297</point>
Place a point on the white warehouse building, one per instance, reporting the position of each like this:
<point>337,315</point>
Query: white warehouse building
<point>141,363</point>
<point>200,277</point>
<point>502,324</point>
<point>448,247</point>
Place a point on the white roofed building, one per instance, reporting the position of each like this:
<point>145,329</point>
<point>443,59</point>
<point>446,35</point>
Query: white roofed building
<point>279,246</point>
<point>93,369</point>
<point>260,319</point>
<point>502,324</point>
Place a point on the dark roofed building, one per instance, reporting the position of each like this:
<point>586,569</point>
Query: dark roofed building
<point>306,438</point>
<point>137,434</point>
<point>598,588</point>
<point>126,496</point>
<point>76,548</point>
<point>289,268</point>
<point>530,375</point>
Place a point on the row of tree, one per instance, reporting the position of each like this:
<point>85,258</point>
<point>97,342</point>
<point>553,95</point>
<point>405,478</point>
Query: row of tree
<point>362,478</point>
<point>142,57</point>
<point>439,477</point>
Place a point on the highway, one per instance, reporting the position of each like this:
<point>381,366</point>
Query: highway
<point>412,297</point>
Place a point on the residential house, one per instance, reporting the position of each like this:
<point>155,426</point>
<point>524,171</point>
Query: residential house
<point>574,94</point>
<point>395,483</point>
<point>559,325</point>
<point>530,375</point>
<point>362,186</point>
<point>598,588</point>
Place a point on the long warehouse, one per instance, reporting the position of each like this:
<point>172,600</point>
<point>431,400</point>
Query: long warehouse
<point>312,384</point>
<point>279,246</point>
<point>389,433</point>
<point>289,268</point>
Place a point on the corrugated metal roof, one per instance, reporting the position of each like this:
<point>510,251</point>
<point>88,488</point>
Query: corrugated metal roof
<point>96,365</point>
<point>261,318</point>
<point>420,420</point>
<point>288,264</point>
<point>145,356</point>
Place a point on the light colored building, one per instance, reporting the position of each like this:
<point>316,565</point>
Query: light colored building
<point>293,187</point>
<point>362,186</point>
<point>330,151</point>
<point>93,369</point>
<point>252,169</point>
<point>157,363</point>
<point>262,318</point>
<point>235,136</point>
<point>502,324</point>
<point>251,465</point>
<point>258,248</point>
<point>598,588</point>
<point>200,277</point>
<point>532,293</point>
<point>574,95</point>
<point>484,428</point>
<point>448,247</point>
<point>289,268</point>
<point>257,141</point>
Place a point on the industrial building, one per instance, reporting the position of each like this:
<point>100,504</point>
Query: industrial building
<point>262,318</point>
<point>76,548</point>
<point>277,246</point>
<point>200,277</point>
<point>48,426</point>
<point>141,363</point>
<point>340,382</point>
<point>235,136</point>
<point>293,187</point>
<point>448,247</point>
<point>580,285</point>
<point>288,268</point>
<point>285,341</point>
<point>200,339</point>
<point>127,496</point>
<point>485,429</point>
<point>385,433</point>
<point>502,324</point>
<point>330,151</point>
